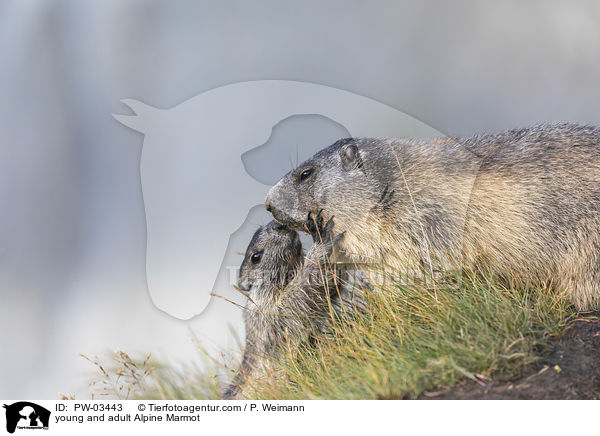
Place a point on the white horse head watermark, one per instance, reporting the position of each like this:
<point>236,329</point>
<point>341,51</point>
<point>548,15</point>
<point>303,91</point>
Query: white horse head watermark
<point>196,190</point>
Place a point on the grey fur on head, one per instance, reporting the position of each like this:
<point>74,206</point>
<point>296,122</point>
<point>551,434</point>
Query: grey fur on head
<point>291,297</point>
<point>523,203</point>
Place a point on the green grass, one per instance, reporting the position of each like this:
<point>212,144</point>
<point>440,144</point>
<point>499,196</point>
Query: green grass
<point>409,340</point>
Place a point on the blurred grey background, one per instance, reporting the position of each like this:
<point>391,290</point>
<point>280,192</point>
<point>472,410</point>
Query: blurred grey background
<point>72,228</point>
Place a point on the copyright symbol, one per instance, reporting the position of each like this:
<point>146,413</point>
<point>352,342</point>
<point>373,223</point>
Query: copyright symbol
<point>141,407</point>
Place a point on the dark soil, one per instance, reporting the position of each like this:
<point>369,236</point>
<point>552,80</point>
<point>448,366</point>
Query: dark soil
<point>568,369</point>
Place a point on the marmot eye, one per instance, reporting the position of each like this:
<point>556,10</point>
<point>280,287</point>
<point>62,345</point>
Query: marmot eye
<point>306,174</point>
<point>256,257</point>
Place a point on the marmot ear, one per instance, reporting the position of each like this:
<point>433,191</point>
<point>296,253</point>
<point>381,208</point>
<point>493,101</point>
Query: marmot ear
<point>350,157</point>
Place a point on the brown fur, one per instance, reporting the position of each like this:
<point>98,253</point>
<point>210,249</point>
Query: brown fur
<point>523,203</point>
<point>291,299</point>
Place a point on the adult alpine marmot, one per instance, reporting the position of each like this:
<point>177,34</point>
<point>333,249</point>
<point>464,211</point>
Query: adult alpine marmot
<point>523,203</point>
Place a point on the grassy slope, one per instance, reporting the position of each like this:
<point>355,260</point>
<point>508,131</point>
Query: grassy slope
<point>410,339</point>
<point>414,338</point>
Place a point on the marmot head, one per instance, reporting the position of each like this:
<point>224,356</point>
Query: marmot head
<point>272,257</point>
<point>329,182</point>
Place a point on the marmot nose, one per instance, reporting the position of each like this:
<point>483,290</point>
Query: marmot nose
<point>268,204</point>
<point>275,212</point>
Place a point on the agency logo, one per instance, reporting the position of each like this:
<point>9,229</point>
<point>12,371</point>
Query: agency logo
<point>26,415</point>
